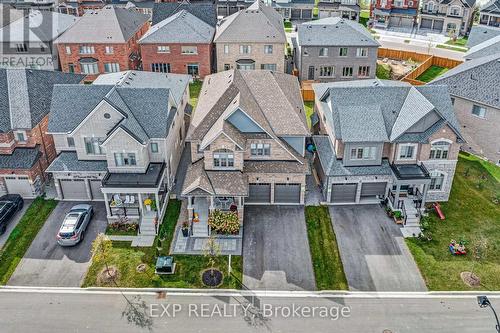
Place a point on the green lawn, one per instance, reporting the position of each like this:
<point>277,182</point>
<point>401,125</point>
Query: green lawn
<point>288,26</point>
<point>431,73</point>
<point>383,72</point>
<point>452,48</point>
<point>188,269</point>
<point>194,92</point>
<point>23,234</point>
<point>462,41</point>
<point>309,108</point>
<point>490,167</point>
<point>470,213</point>
<point>328,269</point>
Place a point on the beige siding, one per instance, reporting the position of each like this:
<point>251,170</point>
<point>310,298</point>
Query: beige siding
<point>122,142</point>
<point>257,54</point>
<point>222,142</point>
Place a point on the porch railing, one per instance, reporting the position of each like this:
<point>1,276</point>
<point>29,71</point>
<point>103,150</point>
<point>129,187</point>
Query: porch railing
<point>125,211</point>
<point>403,210</point>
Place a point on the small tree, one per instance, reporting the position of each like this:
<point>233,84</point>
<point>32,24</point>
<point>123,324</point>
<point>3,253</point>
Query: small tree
<point>479,249</point>
<point>212,252</point>
<point>101,248</point>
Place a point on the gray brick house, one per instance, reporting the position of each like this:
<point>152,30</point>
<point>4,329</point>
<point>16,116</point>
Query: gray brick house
<point>247,140</point>
<point>380,140</point>
<point>450,17</point>
<point>474,87</point>
<point>119,141</point>
<point>335,49</point>
<point>347,9</point>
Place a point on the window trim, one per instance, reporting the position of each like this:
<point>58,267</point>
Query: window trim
<point>155,150</point>
<point>125,156</point>
<point>433,175</point>
<point>346,51</point>
<point>159,49</point>
<point>414,155</point>
<point>264,147</point>
<point>225,155</point>
<point>370,156</point>
<point>481,108</point>
<point>94,140</point>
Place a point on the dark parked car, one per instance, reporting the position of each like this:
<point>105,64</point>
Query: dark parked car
<point>9,205</point>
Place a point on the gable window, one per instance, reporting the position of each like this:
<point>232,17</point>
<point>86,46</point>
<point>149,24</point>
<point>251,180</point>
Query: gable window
<point>68,50</point>
<point>245,49</point>
<point>326,71</point>
<point>437,180</point>
<point>163,49</point>
<point>70,141</point>
<point>93,146</point>
<point>479,111</point>
<point>407,152</point>
<point>363,71</point>
<point>223,158</point>
<point>343,52</point>
<point>268,49</point>
<point>347,71</point>
<point>363,153</point>
<point>260,149</point>
<point>270,67</point>
<point>160,68</point>
<point>226,49</point>
<point>439,150</point>
<point>86,49</point>
<point>125,159</point>
<point>109,50</point>
<point>21,48</point>
<point>323,52</point>
<point>20,136</point>
<point>111,67</point>
<point>361,52</point>
<point>455,11</point>
<point>154,147</point>
<point>189,50</point>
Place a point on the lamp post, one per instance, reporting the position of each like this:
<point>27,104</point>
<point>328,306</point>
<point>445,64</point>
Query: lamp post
<point>484,302</point>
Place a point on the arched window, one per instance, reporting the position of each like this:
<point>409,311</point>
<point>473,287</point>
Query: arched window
<point>430,6</point>
<point>439,150</point>
<point>223,158</point>
<point>437,181</point>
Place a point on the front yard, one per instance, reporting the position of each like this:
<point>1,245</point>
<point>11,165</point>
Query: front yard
<point>189,267</point>
<point>472,212</point>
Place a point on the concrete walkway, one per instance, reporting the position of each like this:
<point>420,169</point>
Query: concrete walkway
<point>373,251</point>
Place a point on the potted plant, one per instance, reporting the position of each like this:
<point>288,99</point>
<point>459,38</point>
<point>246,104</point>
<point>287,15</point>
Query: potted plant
<point>148,202</point>
<point>398,217</point>
<point>185,229</point>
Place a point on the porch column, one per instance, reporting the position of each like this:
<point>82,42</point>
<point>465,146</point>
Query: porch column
<point>211,207</point>
<point>190,209</point>
<point>424,195</point>
<point>57,184</point>
<point>88,189</point>
<point>106,203</point>
<point>141,203</point>
<point>240,210</point>
<point>396,196</point>
<point>157,199</point>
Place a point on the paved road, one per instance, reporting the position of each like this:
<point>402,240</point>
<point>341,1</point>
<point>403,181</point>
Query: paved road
<point>373,251</point>
<point>15,220</point>
<point>98,312</point>
<point>48,264</point>
<point>276,250</point>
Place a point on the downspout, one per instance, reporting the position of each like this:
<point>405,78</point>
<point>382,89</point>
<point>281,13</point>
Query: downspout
<point>43,145</point>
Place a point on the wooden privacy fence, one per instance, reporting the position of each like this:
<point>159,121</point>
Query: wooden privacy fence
<point>307,91</point>
<point>402,55</point>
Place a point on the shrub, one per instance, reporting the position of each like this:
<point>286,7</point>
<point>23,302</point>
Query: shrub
<point>224,222</point>
<point>398,215</point>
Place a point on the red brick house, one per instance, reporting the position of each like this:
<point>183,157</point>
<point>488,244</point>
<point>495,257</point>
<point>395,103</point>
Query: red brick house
<point>26,149</point>
<point>110,48</point>
<point>79,7</point>
<point>394,13</point>
<point>181,43</point>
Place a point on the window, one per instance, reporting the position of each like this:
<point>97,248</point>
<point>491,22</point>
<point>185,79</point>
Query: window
<point>452,100</point>
<point>189,50</point>
<point>245,49</point>
<point>398,3</point>
<point>71,68</point>
<point>260,149</point>
<point>363,153</point>
<point>430,6</point>
<point>223,158</point>
<point>455,11</point>
<point>160,68</point>
<point>363,71</point>
<point>478,111</point>
<point>306,53</point>
<point>111,67</point>
<point>323,52</point>
<point>93,146</point>
<point>71,141</point>
<point>326,71</point>
<point>86,49</point>
<point>343,52</point>
<point>21,48</point>
<point>439,150</point>
<point>268,49</point>
<point>407,152</point>
<point>347,71</point>
<point>361,52</point>
<point>90,68</point>
<point>109,50</point>
<point>163,49</point>
<point>226,49</point>
<point>271,67</point>
<point>20,136</point>
<point>192,69</point>
<point>125,159</point>
<point>68,50</point>
<point>437,180</point>
<point>227,67</point>
<point>410,3</point>
<point>154,147</point>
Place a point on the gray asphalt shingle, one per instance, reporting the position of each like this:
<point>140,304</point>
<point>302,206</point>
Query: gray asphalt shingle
<point>21,158</point>
<point>205,11</point>
<point>68,161</point>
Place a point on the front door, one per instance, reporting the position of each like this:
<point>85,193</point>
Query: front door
<point>310,75</point>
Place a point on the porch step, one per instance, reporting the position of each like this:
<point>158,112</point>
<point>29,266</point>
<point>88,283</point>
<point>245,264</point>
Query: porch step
<point>200,229</point>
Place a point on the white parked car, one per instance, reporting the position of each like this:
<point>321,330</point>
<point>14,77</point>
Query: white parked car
<point>74,225</point>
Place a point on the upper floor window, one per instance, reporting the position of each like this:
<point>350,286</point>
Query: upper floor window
<point>70,141</point>
<point>21,48</point>
<point>398,3</point>
<point>93,146</point>
<point>160,67</point>
<point>343,52</point>
<point>189,50</point>
<point>268,49</point>
<point>439,150</point>
<point>260,149</point>
<point>154,147</point>
<point>270,67</point>
<point>407,152</point>
<point>323,52</point>
<point>479,111</point>
<point>361,52</point>
<point>226,49</point>
<point>111,67</point>
<point>245,49</point>
<point>125,159</point>
<point>109,50</point>
<point>363,153</point>
<point>223,158</point>
<point>89,68</point>
<point>430,6</point>
<point>68,50</point>
<point>437,180</point>
<point>455,11</point>
<point>21,136</point>
<point>306,52</point>
<point>163,49</point>
<point>86,49</point>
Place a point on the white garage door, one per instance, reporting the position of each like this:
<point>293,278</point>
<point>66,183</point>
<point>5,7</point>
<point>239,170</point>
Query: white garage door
<point>95,186</point>
<point>74,189</point>
<point>19,185</point>
<point>287,193</point>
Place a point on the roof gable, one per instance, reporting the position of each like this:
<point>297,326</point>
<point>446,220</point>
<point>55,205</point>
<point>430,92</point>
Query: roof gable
<point>205,11</point>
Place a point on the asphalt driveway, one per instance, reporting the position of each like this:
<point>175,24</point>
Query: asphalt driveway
<point>12,223</point>
<point>373,251</point>
<point>275,249</point>
<point>50,265</point>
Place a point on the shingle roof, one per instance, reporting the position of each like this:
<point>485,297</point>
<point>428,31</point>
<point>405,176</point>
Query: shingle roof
<point>205,11</point>
<point>116,25</point>
<point>21,158</point>
<point>68,161</point>
<point>486,48</point>
<point>476,80</point>
<point>182,27</point>
<point>254,166</point>
<point>358,124</point>
<point>256,24</point>
<point>491,7</point>
<point>25,96</point>
<point>333,31</point>
<point>481,33</point>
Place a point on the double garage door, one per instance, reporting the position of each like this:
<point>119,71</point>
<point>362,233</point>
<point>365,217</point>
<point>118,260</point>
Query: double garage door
<point>75,189</point>
<point>19,185</point>
<point>283,193</point>
<point>346,193</point>
<point>398,21</point>
<point>427,24</point>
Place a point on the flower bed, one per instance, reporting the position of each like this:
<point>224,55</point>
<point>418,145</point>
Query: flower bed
<point>224,222</point>
<point>122,229</point>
